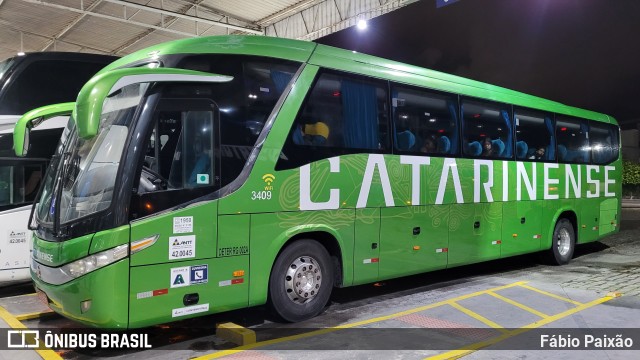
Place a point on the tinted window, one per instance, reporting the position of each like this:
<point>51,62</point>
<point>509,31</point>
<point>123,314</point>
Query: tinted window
<point>604,142</point>
<point>487,129</point>
<point>245,102</point>
<point>180,163</point>
<point>573,140</point>
<point>534,135</point>
<point>19,182</point>
<point>424,121</point>
<point>343,114</point>
<point>46,82</point>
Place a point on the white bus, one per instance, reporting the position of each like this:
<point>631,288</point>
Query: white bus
<point>27,82</point>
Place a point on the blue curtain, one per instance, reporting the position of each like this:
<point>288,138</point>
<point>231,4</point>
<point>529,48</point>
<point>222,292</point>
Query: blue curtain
<point>454,134</point>
<point>360,111</point>
<point>280,80</point>
<point>509,142</point>
<point>551,149</point>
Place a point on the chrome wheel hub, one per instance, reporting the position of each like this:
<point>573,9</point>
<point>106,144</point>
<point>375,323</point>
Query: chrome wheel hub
<point>303,279</point>
<point>563,241</point>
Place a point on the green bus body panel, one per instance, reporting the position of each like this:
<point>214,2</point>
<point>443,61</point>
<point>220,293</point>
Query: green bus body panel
<point>367,246</point>
<point>521,227</point>
<point>233,235</point>
<point>203,235</point>
<point>248,45</point>
<point>412,240</point>
<point>109,239</point>
<point>107,288</point>
<point>474,230</point>
<point>270,232</point>
<point>55,254</point>
<point>155,297</point>
<point>26,122</point>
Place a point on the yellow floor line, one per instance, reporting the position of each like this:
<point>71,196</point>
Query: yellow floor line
<point>550,294</point>
<point>478,317</point>
<point>456,354</point>
<point>521,306</point>
<point>223,353</point>
<point>34,315</point>
<point>16,324</point>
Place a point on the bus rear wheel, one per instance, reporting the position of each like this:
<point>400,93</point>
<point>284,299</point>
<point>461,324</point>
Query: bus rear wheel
<point>301,281</point>
<point>563,243</point>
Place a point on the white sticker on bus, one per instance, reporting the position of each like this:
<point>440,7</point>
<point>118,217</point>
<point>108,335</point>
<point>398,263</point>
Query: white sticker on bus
<point>182,224</point>
<point>189,310</point>
<point>182,247</point>
<point>180,277</point>
<point>17,237</point>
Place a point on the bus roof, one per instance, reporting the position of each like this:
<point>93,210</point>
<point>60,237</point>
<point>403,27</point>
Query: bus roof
<point>331,57</point>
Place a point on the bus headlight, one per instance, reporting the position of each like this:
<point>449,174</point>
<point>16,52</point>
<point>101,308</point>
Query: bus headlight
<point>95,261</point>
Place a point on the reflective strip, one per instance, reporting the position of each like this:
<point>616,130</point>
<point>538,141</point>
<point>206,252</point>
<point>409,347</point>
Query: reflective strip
<point>538,236</point>
<point>230,282</point>
<point>442,250</point>
<point>148,294</point>
<point>369,261</point>
<point>497,242</point>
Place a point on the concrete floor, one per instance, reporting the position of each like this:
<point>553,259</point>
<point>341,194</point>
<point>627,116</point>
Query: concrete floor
<point>494,310</point>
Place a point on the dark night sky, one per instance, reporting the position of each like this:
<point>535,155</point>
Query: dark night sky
<point>584,53</point>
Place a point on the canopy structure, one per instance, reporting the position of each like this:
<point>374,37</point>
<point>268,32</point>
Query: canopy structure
<point>120,27</point>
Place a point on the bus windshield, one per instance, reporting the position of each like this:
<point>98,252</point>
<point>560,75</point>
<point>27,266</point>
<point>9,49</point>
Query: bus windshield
<point>87,168</point>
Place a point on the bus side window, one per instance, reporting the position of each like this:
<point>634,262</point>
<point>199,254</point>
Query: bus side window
<point>179,163</point>
<point>535,139</point>
<point>424,121</point>
<point>573,141</point>
<point>486,129</point>
<point>19,183</point>
<point>343,114</point>
<point>604,142</point>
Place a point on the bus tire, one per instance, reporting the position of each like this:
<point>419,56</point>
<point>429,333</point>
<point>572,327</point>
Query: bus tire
<point>301,281</point>
<point>563,243</point>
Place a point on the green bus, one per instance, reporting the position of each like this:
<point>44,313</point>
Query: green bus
<point>210,174</point>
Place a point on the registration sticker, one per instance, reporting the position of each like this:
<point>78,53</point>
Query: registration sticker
<point>182,247</point>
<point>183,224</point>
<point>17,237</point>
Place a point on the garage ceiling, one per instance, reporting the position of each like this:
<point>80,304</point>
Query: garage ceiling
<point>123,26</point>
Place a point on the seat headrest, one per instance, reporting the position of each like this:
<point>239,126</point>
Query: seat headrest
<point>444,145</point>
<point>521,149</point>
<point>406,140</point>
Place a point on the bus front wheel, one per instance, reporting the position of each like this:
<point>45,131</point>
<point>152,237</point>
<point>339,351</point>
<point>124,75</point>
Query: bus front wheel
<point>301,281</point>
<point>563,243</point>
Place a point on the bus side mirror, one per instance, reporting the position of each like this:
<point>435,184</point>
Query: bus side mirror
<point>92,95</point>
<point>32,119</point>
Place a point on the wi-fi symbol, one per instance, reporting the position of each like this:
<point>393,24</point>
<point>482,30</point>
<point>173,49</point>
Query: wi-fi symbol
<point>268,178</point>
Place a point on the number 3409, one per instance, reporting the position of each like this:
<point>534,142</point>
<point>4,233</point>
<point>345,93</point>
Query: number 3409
<point>261,195</point>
